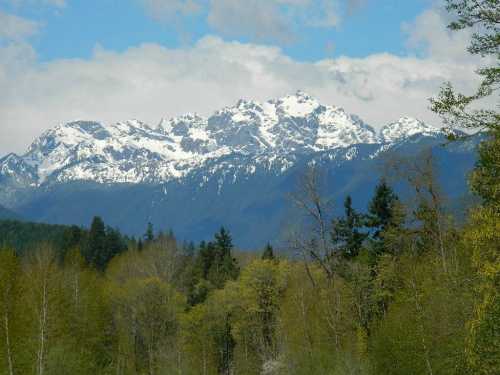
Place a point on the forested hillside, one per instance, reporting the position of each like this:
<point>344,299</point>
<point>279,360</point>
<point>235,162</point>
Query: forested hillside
<point>26,237</point>
<point>400,287</point>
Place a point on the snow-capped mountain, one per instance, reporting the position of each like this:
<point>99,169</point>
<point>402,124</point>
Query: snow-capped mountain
<point>405,128</point>
<point>133,152</point>
<point>193,174</point>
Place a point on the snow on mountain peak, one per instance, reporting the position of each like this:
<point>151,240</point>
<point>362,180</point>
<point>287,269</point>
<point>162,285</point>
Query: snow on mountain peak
<point>338,128</point>
<point>299,105</point>
<point>406,127</point>
<point>180,123</point>
<point>131,151</point>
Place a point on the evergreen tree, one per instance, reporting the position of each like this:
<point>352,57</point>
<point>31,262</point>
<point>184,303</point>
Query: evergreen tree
<point>215,262</point>
<point>102,244</point>
<point>223,243</point>
<point>205,258</point>
<point>114,245</point>
<point>346,232</point>
<point>73,236</point>
<point>383,215</point>
<point>96,244</point>
<point>268,253</point>
<point>149,236</point>
<point>381,209</point>
<point>224,267</point>
<point>198,285</point>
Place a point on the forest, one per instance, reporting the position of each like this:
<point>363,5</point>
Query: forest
<point>402,287</point>
<point>389,291</point>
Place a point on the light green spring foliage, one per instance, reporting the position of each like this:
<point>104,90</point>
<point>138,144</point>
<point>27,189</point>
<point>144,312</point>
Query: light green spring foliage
<point>391,309</point>
<point>482,237</point>
<point>10,287</point>
<point>427,308</point>
<point>398,312</point>
<point>146,314</point>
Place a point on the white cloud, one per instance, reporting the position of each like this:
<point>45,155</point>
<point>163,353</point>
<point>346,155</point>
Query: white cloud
<point>428,35</point>
<point>150,81</point>
<point>15,28</point>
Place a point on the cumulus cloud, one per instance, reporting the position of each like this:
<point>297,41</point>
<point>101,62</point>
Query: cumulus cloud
<point>150,81</point>
<point>429,36</point>
<point>13,28</point>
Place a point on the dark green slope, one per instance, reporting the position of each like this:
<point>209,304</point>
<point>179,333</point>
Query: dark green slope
<point>23,236</point>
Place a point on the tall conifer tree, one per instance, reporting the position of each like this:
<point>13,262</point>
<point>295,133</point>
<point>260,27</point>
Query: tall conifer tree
<point>347,235</point>
<point>96,243</point>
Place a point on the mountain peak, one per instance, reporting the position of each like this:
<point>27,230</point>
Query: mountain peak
<point>406,127</point>
<point>131,151</point>
<point>181,124</point>
<point>245,103</point>
<point>299,104</point>
<point>302,94</point>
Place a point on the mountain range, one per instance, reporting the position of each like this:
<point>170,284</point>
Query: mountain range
<point>234,168</point>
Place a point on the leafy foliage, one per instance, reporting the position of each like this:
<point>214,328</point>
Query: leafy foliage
<point>483,16</point>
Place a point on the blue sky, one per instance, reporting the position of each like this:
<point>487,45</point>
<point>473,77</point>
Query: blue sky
<point>74,28</point>
<point>112,60</point>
